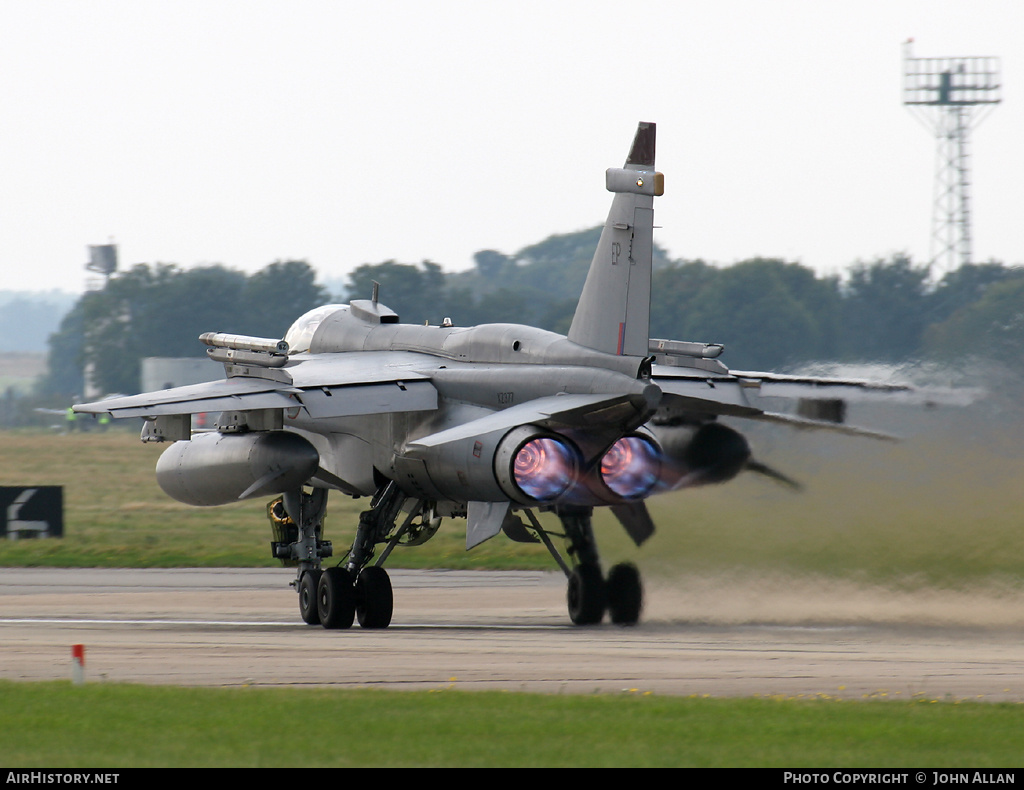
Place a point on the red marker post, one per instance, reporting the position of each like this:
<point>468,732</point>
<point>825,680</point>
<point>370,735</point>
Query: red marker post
<point>78,664</point>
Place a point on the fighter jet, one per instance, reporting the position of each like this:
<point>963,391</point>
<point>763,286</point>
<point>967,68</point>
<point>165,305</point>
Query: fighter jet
<point>492,424</point>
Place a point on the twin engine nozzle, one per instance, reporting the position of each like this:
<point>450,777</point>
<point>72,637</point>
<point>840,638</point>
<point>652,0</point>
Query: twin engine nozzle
<point>533,466</point>
<point>540,467</point>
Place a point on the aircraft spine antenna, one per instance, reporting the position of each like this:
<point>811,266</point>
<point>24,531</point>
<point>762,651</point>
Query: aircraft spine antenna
<point>613,314</point>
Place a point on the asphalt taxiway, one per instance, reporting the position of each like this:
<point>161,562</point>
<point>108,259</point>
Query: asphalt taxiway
<point>510,630</point>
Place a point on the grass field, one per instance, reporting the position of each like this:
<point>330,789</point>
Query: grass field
<point>117,516</point>
<point>941,509</point>
<point>112,726</point>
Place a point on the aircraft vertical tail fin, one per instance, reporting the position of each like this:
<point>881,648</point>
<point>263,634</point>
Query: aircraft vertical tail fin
<point>613,314</point>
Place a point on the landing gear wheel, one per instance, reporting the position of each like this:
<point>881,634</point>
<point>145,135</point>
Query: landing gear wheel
<point>336,598</point>
<point>308,606</point>
<point>374,598</point>
<point>625,594</point>
<point>586,595</point>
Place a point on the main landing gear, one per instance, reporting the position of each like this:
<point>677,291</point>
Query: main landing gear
<point>355,590</point>
<point>590,594</point>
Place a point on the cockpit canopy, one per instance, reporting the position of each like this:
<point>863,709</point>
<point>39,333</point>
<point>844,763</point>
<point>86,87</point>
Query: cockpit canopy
<point>300,334</point>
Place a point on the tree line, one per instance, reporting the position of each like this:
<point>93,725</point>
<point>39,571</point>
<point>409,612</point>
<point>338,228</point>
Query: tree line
<point>160,311</point>
<point>769,313</point>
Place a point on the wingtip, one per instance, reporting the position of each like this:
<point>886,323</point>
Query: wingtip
<point>642,152</point>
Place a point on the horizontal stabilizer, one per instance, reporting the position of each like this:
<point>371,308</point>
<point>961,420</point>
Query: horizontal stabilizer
<point>822,425</point>
<point>773,474</point>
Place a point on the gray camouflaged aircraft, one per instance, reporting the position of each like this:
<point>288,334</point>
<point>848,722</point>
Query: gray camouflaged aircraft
<point>492,423</point>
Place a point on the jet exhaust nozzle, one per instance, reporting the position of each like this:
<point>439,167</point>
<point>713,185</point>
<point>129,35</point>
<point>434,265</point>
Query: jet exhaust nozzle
<point>632,468</point>
<point>544,468</point>
<point>216,469</point>
<point>535,466</point>
<point>709,453</point>
<point>548,468</point>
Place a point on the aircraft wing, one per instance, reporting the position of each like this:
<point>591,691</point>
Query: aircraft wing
<point>700,393</point>
<point>358,384</point>
<point>231,394</point>
<point>795,386</point>
<point>704,393</point>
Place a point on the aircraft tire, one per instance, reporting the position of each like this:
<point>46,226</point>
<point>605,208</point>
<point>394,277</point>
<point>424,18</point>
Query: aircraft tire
<point>336,598</point>
<point>586,595</point>
<point>374,598</point>
<point>309,608</point>
<point>625,594</point>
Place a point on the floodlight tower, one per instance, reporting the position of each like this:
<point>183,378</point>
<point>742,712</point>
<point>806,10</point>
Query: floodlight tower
<point>950,96</point>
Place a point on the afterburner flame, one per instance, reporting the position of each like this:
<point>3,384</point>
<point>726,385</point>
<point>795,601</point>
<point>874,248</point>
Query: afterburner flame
<point>631,468</point>
<point>544,468</point>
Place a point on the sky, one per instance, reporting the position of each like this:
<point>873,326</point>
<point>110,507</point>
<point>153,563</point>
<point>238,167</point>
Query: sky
<point>244,132</point>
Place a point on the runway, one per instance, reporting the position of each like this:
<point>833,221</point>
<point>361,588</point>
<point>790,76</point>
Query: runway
<point>509,630</point>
